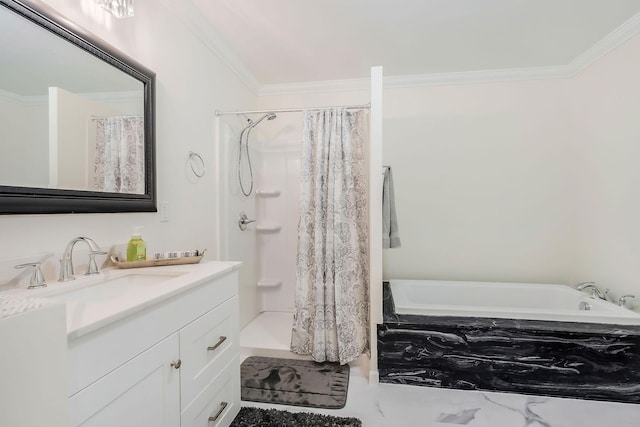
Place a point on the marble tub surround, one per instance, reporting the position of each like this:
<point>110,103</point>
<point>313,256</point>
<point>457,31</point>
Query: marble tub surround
<point>581,360</point>
<point>87,313</point>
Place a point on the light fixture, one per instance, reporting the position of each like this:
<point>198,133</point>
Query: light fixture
<point>118,8</point>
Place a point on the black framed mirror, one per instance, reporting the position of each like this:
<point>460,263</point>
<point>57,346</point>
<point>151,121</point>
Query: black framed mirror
<point>77,119</point>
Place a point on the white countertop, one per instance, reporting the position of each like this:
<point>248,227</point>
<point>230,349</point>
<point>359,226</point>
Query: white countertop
<point>85,317</point>
<point>10,305</point>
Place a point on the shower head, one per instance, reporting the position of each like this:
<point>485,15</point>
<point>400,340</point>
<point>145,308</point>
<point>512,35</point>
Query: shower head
<point>268,116</point>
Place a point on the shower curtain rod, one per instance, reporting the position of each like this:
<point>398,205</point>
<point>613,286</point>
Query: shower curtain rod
<point>291,110</point>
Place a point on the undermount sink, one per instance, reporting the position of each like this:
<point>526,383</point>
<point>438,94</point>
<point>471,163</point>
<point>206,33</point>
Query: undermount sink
<point>113,289</point>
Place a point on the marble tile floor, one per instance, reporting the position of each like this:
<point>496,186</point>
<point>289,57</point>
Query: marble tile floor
<point>390,405</point>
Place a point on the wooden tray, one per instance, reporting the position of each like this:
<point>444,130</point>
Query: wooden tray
<point>157,262</point>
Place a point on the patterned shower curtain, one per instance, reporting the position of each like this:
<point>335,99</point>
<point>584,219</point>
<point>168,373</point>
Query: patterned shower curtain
<point>331,321</point>
<point>119,165</point>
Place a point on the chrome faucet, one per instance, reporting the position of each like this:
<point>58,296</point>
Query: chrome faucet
<point>37,278</point>
<point>66,263</point>
<point>595,290</point>
<point>622,301</point>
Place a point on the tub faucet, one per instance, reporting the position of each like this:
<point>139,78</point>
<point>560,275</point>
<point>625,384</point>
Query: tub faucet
<point>622,301</point>
<point>595,290</point>
<point>66,263</point>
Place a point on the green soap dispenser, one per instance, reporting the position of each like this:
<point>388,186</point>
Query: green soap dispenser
<point>136,248</point>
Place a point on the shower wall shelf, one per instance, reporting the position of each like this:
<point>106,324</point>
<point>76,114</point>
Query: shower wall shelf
<point>268,228</point>
<point>267,193</point>
<point>269,283</point>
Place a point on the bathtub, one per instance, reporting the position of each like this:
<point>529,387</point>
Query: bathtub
<point>530,301</point>
<point>508,337</point>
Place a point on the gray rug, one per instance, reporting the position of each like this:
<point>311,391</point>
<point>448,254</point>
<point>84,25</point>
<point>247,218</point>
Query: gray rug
<point>294,382</point>
<point>254,417</point>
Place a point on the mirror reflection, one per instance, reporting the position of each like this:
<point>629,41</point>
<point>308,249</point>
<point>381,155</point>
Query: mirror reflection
<point>68,120</point>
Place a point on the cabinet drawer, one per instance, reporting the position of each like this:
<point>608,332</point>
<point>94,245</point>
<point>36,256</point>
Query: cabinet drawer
<point>207,345</point>
<point>219,403</point>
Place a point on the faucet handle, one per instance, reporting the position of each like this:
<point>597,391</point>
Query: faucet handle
<point>37,278</point>
<point>622,301</point>
<point>93,267</point>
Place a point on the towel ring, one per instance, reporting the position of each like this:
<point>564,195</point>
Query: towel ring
<point>197,164</point>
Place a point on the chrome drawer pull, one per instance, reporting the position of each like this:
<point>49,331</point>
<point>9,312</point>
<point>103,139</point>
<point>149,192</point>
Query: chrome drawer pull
<point>218,344</point>
<point>177,364</point>
<point>223,406</point>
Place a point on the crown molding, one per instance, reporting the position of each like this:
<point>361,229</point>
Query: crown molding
<point>482,76</point>
<point>29,100</point>
<point>114,97</point>
<point>607,44</point>
<point>314,87</point>
<point>194,20</point>
<point>23,100</point>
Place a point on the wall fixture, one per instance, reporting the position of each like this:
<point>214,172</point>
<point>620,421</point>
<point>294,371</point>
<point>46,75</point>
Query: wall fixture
<point>118,8</point>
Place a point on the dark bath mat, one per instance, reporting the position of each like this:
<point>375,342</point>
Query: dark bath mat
<point>255,417</point>
<point>294,382</point>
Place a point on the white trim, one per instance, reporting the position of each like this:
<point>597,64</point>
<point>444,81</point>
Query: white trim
<point>374,153</point>
<point>480,76</point>
<point>28,100</point>
<point>24,100</point>
<point>314,87</point>
<point>534,73</point>
<point>130,96</point>
<point>607,44</point>
<point>201,29</point>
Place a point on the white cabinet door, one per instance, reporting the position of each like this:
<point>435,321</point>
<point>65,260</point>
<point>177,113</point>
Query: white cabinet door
<point>143,392</point>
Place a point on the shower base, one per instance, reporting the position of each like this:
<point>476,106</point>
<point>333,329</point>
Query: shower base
<point>269,335</point>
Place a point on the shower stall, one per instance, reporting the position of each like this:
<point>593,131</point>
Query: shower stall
<point>259,176</point>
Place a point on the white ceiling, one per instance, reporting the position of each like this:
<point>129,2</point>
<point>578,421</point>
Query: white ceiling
<point>287,41</point>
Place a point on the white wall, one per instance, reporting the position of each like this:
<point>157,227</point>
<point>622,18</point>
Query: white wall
<point>191,84</point>
<point>486,175</point>
<point>279,169</point>
<point>274,147</point>
<point>480,177</point>
<point>483,178</point>
<point>72,155</point>
<point>236,244</point>
<point>606,117</point>
<point>529,181</point>
<point>23,140</point>
<point>520,181</point>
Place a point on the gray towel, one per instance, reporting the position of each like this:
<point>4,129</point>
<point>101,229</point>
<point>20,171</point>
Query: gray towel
<point>390,236</point>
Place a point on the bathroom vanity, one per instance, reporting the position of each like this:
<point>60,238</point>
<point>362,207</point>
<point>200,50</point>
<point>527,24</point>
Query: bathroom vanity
<point>33,355</point>
<point>153,347</point>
